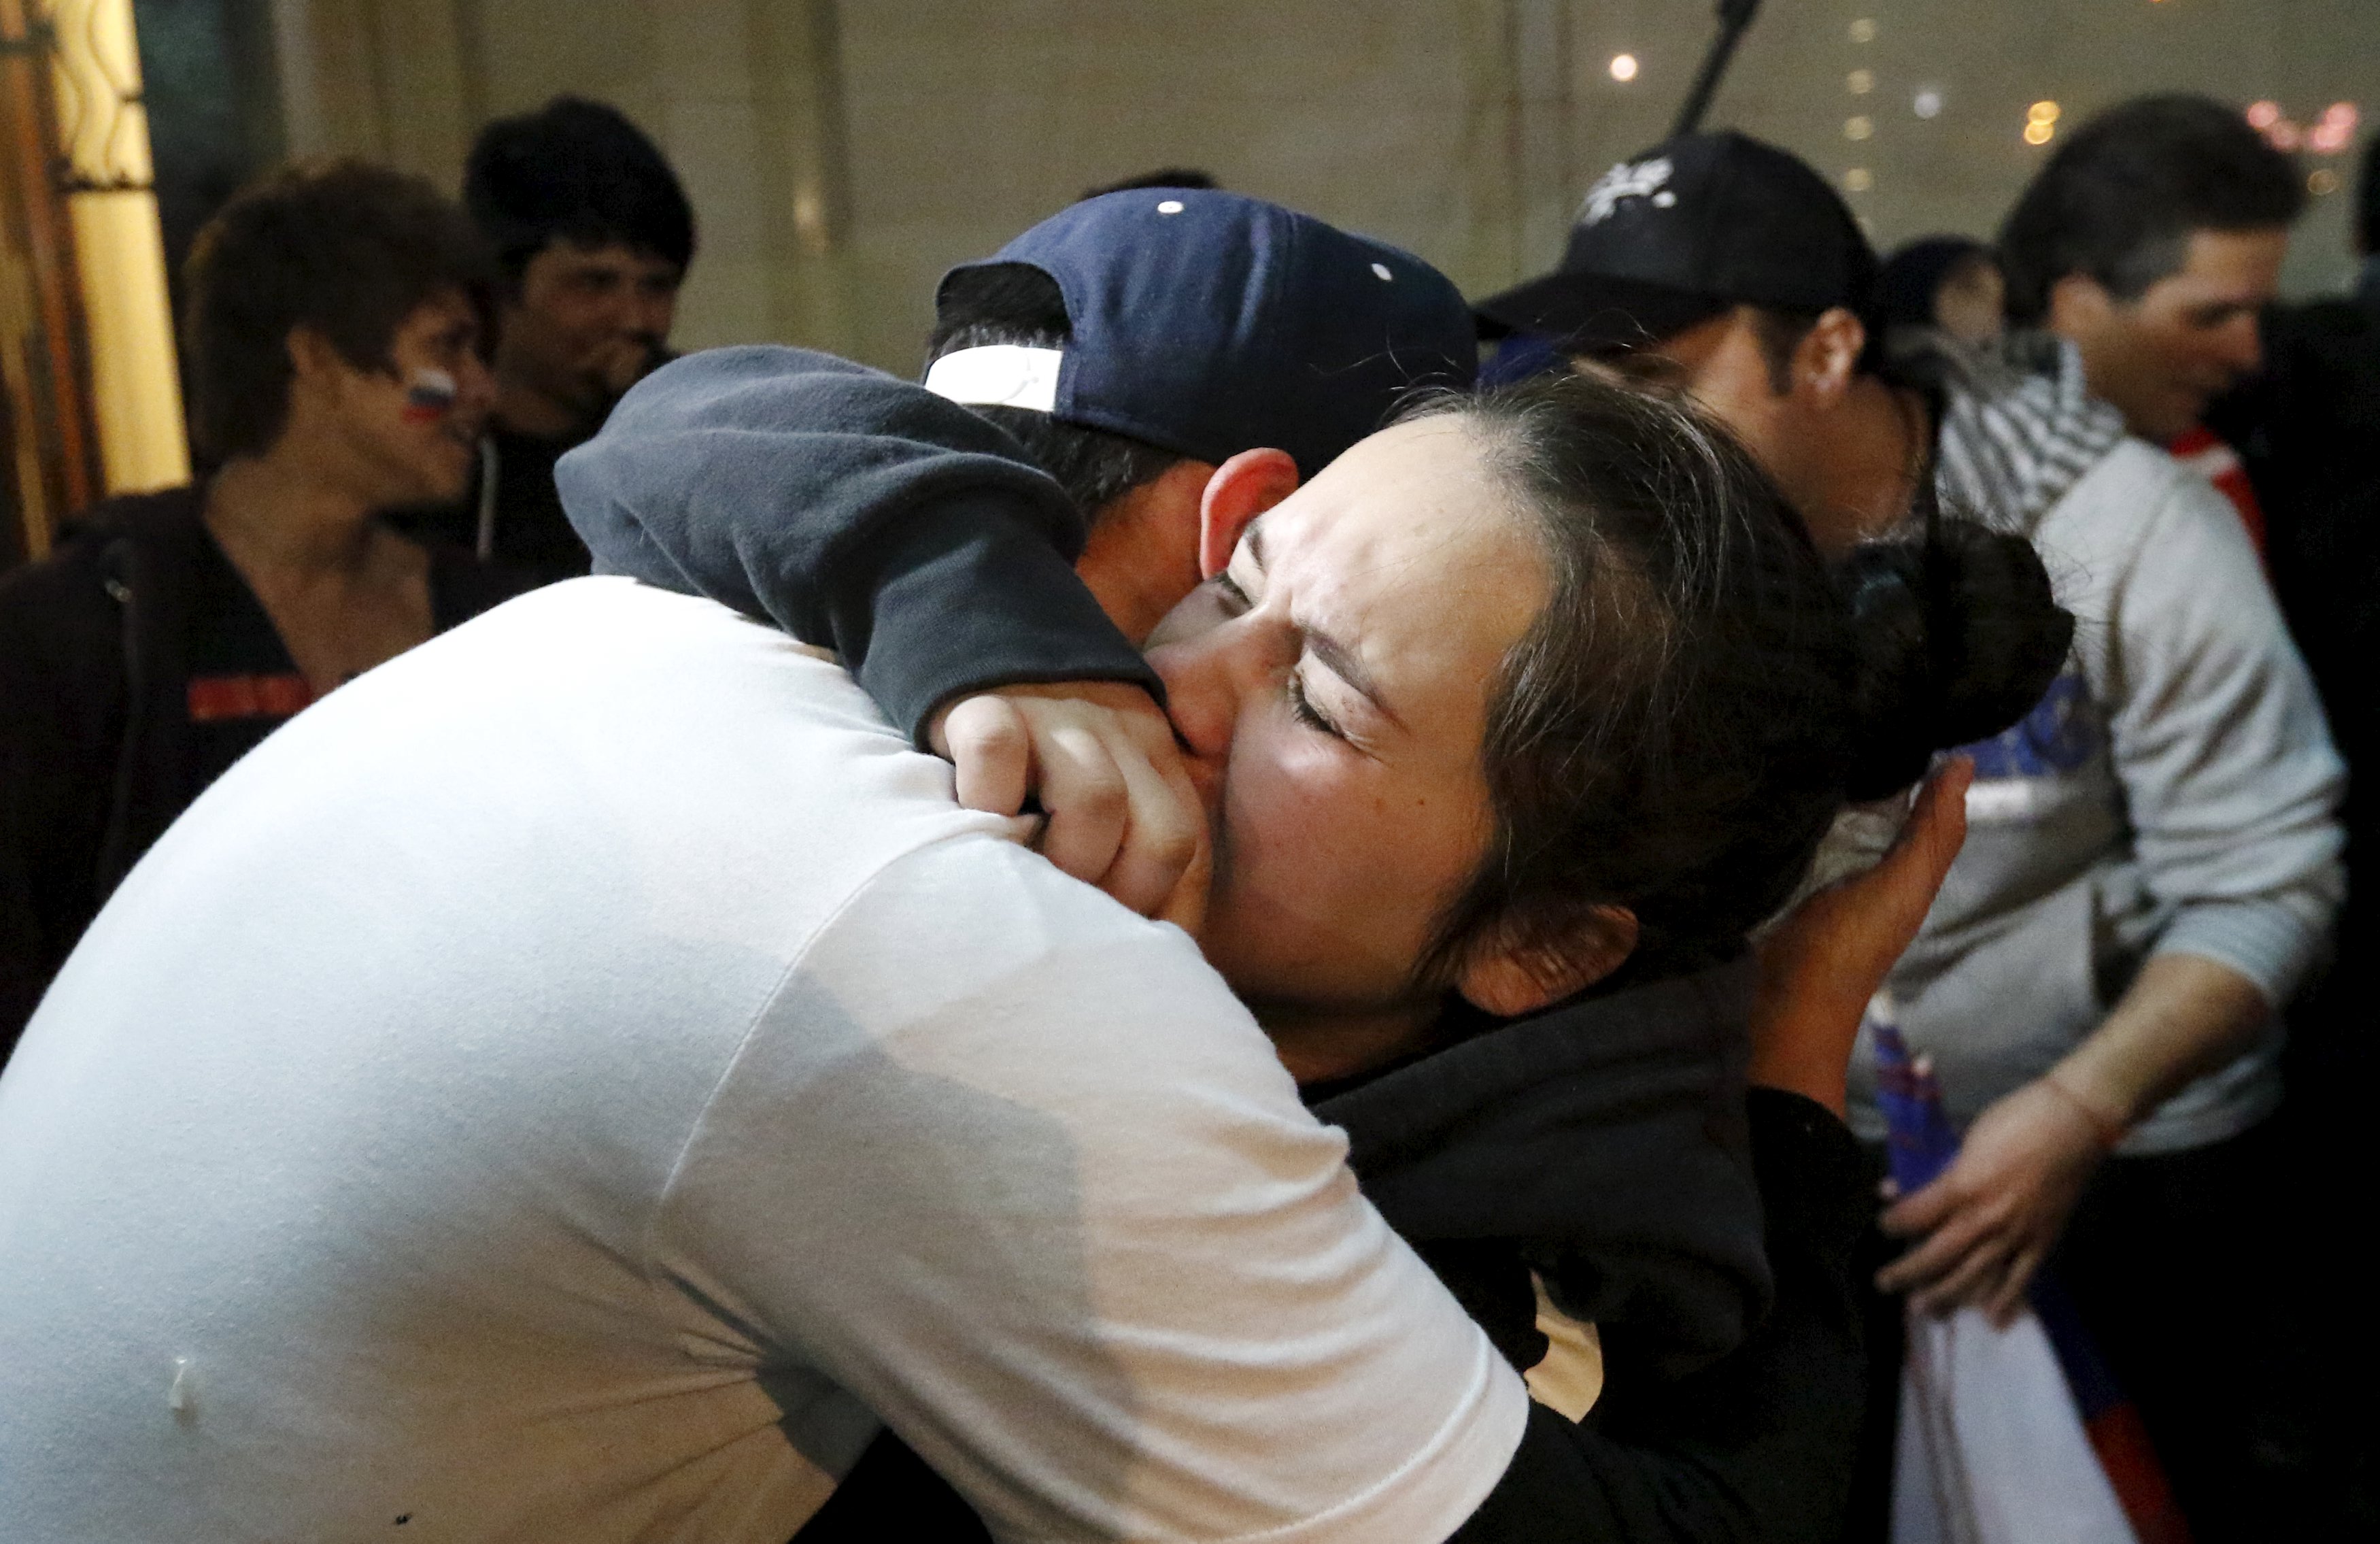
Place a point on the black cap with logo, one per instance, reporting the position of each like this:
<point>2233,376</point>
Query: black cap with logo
<point>1681,233</point>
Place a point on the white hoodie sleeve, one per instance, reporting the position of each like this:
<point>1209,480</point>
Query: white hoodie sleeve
<point>2230,780</point>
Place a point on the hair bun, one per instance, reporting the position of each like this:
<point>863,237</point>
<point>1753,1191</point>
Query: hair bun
<point>1957,635</point>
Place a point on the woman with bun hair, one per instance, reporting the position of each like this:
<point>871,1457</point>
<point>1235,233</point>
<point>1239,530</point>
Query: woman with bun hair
<point>1488,882</point>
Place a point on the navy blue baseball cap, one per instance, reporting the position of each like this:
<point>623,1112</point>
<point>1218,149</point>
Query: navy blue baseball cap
<point>1685,231</point>
<point>1209,324</point>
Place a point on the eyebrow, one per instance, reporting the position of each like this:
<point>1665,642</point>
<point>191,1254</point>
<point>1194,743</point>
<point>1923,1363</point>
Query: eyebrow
<point>1344,663</point>
<point>1339,660</point>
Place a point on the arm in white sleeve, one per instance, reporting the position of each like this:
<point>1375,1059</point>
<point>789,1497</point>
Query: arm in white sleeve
<point>2230,780</point>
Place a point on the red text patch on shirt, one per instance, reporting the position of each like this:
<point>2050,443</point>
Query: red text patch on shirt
<point>214,698</point>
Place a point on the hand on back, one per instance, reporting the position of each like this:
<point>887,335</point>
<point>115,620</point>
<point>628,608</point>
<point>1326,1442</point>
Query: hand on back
<point>1100,759</point>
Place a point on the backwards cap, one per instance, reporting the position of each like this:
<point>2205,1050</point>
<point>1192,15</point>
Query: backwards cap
<point>1209,324</point>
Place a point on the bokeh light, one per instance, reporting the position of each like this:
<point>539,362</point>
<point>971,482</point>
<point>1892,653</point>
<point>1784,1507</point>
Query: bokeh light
<point>1623,68</point>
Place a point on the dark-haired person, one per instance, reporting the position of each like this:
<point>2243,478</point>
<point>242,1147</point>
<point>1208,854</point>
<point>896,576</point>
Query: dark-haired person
<point>331,343</point>
<point>2153,237</point>
<point>2307,428</point>
<point>2153,860</point>
<point>1136,346</point>
<point>1949,281</point>
<point>594,235</point>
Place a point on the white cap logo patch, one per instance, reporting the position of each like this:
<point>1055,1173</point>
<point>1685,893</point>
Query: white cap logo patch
<point>1644,180</point>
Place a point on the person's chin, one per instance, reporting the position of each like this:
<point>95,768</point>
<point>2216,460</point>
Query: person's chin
<point>448,481</point>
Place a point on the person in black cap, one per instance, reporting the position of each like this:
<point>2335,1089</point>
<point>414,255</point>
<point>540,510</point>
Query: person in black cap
<point>592,234</point>
<point>1726,268</point>
<point>2160,866</point>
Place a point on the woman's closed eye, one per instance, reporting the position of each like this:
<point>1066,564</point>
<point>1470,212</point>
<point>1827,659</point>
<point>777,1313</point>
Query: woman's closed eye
<point>1302,708</point>
<point>1235,600</point>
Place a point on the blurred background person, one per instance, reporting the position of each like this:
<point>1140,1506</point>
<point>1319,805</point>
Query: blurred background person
<point>2152,861</point>
<point>2153,239</point>
<point>592,234</point>
<point>2309,430</point>
<point>332,334</point>
<point>1949,282</point>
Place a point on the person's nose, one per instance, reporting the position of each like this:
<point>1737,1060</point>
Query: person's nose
<point>1209,677</point>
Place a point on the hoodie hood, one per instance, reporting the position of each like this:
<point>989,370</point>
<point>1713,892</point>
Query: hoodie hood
<point>859,513</point>
<point>1606,1140</point>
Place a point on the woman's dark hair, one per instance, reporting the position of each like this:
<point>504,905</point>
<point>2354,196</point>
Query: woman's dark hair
<point>1017,303</point>
<point>346,248</point>
<point>2117,201</point>
<point>576,171</point>
<point>1702,694</point>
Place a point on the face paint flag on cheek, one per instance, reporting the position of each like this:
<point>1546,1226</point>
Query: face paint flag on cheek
<point>429,396</point>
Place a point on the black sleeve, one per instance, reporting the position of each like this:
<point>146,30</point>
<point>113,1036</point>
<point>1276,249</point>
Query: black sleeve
<point>857,511</point>
<point>1758,1446</point>
<point>61,723</point>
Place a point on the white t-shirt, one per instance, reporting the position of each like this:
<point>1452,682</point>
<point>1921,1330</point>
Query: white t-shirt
<point>571,1081</point>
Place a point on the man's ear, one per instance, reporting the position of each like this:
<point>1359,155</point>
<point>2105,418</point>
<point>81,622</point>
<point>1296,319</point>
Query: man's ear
<point>1827,357</point>
<point>1242,489</point>
<point>1516,973</point>
<point>311,357</point>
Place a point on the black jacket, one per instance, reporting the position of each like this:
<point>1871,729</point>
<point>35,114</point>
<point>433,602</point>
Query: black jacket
<point>1605,1145</point>
<point>2308,430</point>
<point>100,646</point>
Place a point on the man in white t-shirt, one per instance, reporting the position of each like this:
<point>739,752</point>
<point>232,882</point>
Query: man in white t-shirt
<point>566,1082</point>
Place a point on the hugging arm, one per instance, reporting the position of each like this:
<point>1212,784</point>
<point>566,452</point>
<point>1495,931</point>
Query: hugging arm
<point>870,516</point>
<point>855,511</point>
